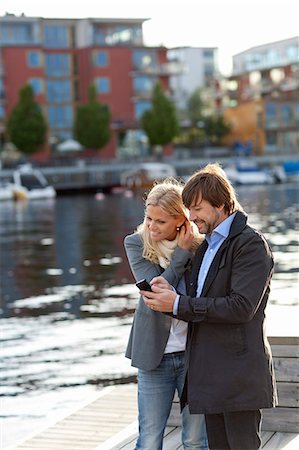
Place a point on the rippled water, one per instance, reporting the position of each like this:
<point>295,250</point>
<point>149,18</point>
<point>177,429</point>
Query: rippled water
<point>67,295</point>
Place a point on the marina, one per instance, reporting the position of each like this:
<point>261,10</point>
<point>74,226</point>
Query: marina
<point>68,297</point>
<point>93,174</point>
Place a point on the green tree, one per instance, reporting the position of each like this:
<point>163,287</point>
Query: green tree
<point>195,107</point>
<point>92,122</point>
<point>216,128</point>
<point>26,125</point>
<point>160,122</point>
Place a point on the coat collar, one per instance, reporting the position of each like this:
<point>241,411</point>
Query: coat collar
<point>237,227</point>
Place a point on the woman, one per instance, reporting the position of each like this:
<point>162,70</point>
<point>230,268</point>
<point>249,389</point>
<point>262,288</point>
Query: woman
<point>162,245</point>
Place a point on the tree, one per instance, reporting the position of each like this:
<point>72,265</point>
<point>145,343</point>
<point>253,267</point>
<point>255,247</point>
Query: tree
<point>216,128</point>
<point>92,122</point>
<point>160,122</point>
<point>194,107</point>
<point>26,125</point>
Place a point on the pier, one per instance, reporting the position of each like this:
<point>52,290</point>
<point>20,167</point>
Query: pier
<point>95,175</point>
<point>109,422</point>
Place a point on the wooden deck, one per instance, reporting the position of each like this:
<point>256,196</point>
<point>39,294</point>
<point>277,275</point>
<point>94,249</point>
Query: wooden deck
<point>110,414</point>
<point>109,422</point>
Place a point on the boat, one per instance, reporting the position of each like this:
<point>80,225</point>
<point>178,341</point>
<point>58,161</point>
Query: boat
<point>10,191</point>
<point>145,174</point>
<point>247,172</point>
<point>291,169</point>
<point>33,183</point>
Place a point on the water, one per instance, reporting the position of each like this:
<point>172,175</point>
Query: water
<point>67,296</point>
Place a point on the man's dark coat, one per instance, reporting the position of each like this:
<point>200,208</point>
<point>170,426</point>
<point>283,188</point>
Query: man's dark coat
<point>228,357</point>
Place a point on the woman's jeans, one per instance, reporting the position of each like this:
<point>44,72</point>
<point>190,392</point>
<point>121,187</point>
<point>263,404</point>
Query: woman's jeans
<point>156,390</point>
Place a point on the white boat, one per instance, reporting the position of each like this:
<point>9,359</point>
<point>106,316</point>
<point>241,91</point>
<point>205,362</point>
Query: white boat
<point>33,182</point>
<point>145,174</point>
<point>10,191</point>
<point>247,172</point>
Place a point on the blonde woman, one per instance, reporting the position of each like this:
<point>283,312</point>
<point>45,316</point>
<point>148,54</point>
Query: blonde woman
<point>162,245</point>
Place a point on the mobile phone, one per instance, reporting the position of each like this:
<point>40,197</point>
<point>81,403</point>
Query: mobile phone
<point>143,285</point>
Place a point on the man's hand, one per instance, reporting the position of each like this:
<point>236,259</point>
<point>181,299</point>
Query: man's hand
<point>162,296</point>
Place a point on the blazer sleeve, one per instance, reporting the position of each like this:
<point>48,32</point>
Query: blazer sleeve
<point>142,268</point>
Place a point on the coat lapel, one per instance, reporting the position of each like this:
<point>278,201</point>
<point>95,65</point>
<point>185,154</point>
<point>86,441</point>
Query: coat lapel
<point>192,282</point>
<point>218,262</point>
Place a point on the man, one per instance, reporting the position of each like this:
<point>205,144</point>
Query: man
<point>229,373</point>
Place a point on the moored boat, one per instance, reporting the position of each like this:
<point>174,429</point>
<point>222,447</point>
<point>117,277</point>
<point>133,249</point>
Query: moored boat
<point>33,182</point>
<point>145,174</point>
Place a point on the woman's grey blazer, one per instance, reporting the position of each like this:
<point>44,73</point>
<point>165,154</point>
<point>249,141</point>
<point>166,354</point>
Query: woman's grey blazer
<point>150,329</point>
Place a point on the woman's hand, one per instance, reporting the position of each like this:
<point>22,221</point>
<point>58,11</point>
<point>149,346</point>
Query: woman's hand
<point>186,236</point>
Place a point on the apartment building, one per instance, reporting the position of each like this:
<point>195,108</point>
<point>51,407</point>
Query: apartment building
<point>198,68</point>
<point>263,93</point>
<point>61,58</point>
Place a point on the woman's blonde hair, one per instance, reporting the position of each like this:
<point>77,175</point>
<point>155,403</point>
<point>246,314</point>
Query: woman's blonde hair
<point>166,194</point>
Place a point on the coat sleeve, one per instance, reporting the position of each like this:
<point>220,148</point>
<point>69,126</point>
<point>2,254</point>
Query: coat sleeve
<point>238,289</point>
<point>142,268</point>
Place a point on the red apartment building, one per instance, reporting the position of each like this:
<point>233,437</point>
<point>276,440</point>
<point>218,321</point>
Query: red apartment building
<point>61,58</point>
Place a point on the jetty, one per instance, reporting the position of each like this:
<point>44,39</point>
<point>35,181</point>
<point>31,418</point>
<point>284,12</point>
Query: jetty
<point>94,175</point>
<point>109,421</point>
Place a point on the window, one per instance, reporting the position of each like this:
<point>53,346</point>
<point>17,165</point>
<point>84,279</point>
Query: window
<point>100,59</point>
<point>270,110</point>
<point>60,116</point>
<point>117,35</point>
<point>37,85</point>
<point>13,33</point>
<point>255,78</point>
<point>144,59</point>
<point>292,53</point>
<point>143,85</point>
<point>102,85</point>
<point>34,59</point>
<point>57,65</point>
<point>286,115</point>
<point>59,91</point>
<point>140,108</point>
<point>276,75</point>
<point>56,36</point>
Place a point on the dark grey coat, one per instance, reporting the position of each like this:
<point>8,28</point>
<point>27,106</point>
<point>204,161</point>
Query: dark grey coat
<point>228,357</point>
<point>150,329</point>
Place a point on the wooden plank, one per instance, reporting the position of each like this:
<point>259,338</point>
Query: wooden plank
<point>283,340</point>
<point>281,419</point>
<point>288,394</point>
<point>265,437</point>
<point>91,425</point>
<point>285,441</point>
<point>291,351</point>
<point>286,369</point>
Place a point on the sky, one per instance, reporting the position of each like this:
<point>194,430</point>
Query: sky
<point>230,25</point>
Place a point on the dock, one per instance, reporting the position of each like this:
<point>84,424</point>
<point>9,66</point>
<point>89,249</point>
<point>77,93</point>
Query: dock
<point>92,175</point>
<point>109,421</point>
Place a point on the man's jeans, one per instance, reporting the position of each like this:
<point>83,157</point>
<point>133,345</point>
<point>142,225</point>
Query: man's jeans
<point>156,390</point>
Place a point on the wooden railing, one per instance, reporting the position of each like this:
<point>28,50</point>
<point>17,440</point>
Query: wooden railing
<point>285,417</point>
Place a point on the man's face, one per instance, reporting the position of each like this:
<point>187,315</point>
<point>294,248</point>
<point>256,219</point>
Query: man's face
<point>205,216</point>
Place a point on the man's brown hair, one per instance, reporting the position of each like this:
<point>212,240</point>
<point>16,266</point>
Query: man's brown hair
<point>211,184</point>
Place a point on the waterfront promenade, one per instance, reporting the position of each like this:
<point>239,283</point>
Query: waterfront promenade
<point>109,422</point>
<point>94,175</point>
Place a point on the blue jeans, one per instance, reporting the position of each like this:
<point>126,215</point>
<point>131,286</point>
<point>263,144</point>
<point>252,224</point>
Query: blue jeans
<point>156,390</point>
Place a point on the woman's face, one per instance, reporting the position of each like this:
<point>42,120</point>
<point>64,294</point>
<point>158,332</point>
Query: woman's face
<point>160,224</point>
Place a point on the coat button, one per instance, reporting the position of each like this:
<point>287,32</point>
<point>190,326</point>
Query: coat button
<point>191,284</point>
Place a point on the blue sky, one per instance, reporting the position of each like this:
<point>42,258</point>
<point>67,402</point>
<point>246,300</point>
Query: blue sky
<point>231,25</point>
